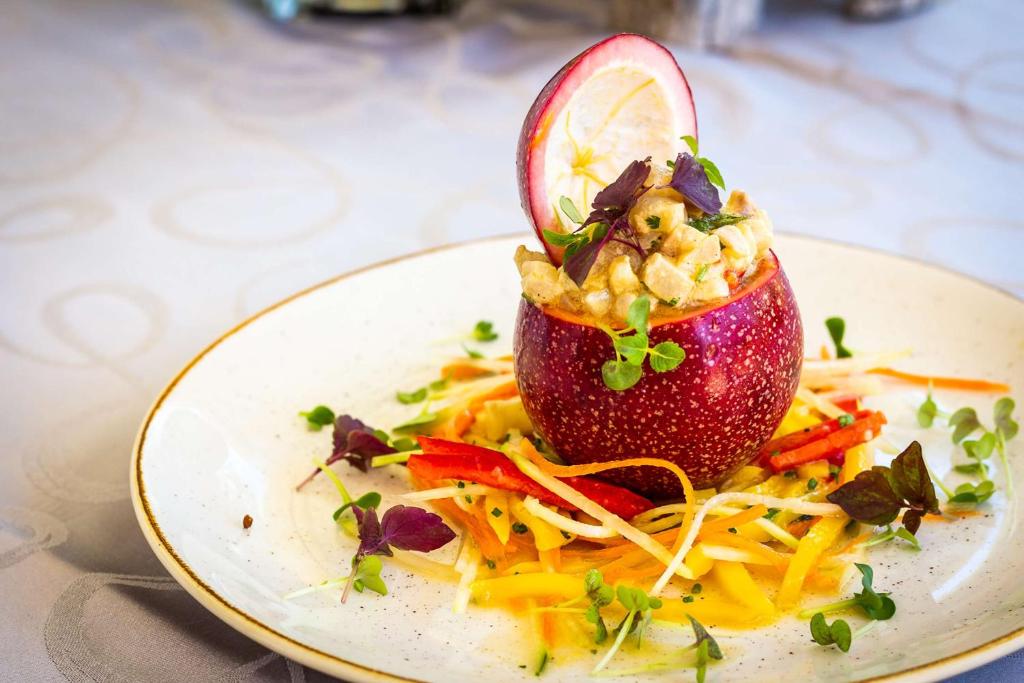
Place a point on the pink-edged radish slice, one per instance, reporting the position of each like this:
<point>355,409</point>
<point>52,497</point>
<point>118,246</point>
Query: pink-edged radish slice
<point>622,99</point>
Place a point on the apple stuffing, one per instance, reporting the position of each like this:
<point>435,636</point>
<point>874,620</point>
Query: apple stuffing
<point>671,251</point>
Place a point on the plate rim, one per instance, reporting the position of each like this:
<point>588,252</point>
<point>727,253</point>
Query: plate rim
<point>331,664</point>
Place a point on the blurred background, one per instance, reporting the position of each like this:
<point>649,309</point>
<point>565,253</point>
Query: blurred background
<point>170,167</point>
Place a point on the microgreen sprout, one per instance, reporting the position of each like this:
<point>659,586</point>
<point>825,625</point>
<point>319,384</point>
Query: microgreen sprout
<point>837,330</point>
<point>877,606</point>
<point>600,595</point>
<point>318,418</point>
<point>472,353</point>
<point>631,350</point>
<point>484,331</point>
<point>837,633</point>
<point>638,607</point>
<point>891,534</point>
<point>964,423</point>
<point>713,174</point>
<point>713,221</point>
<point>707,648</point>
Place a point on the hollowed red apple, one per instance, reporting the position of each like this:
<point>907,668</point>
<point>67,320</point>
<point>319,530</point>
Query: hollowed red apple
<point>710,415</point>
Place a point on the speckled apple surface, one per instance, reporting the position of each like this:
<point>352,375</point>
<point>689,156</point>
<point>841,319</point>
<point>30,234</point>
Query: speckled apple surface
<point>224,441</point>
<point>710,415</point>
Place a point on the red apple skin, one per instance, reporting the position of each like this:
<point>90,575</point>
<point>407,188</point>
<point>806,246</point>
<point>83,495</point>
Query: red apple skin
<point>710,415</point>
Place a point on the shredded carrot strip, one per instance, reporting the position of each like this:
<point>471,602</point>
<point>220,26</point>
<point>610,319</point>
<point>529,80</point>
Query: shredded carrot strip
<point>460,371</point>
<point>798,529</point>
<point>732,521</point>
<point>482,534</point>
<point>507,390</point>
<point>963,383</point>
<point>531,453</point>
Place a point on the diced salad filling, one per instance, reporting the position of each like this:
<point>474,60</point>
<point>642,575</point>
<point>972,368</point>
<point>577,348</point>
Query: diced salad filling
<point>681,258</point>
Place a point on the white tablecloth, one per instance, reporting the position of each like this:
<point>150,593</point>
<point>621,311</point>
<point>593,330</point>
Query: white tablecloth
<point>168,168</point>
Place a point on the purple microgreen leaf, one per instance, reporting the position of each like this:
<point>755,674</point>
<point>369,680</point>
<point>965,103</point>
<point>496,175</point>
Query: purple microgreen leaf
<point>690,179</point>
<point>912,481</point>
<point>371,537</point>
<point>578,264</point>
<point>868,498</point>
<point>620,196</point>
<point>356,443</point>
<point>413,528</point>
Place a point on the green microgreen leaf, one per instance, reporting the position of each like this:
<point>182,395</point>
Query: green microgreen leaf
<point>927,411</point>
<point>620,375</point>
<point>409,397</point>
<point>318,418</point>
<point>1001,414</point>
<point>483,331</point>
<point>713,221</point>
<point>714,175</point>
<point>472,353</point>
<point>666,356</point>
<point>837,633</point>
<point>837,330</point>
<point>980,449</point>
<point>561,239</point>
<point>910,538</point>
<point>973,494</point>
<point>367,575</point>
<point>964,422</point>
<point>367,500</point>
<point>424,418</point>
<point>600,595</point>
<point>570,210</point>
<point>653,222</point>
<point>691,142</point>
<point>633,349</point>
<point>637,314</point>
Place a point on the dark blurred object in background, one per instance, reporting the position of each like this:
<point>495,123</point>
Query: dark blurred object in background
<point>879,10</point>
<point>698,24</point>
<point>286,10</point>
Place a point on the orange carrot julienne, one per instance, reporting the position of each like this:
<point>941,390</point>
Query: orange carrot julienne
<point>458,371</point>
<point>963,383</point>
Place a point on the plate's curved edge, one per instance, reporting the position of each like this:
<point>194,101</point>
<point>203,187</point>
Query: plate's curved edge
<point>335,666</point>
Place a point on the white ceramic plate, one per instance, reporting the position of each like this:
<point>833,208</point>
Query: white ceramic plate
<point>223,441</point>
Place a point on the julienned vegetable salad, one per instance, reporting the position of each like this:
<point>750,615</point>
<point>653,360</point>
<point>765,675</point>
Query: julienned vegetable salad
<point>594,566</point>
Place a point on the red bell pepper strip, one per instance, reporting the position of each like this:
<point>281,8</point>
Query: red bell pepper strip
<point>443,459</point>
<point>803,437</point>
<point>832,444</point>
<point>848,402</point>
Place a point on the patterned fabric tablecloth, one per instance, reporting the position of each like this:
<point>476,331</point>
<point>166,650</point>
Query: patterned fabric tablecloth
<point>169,168</point>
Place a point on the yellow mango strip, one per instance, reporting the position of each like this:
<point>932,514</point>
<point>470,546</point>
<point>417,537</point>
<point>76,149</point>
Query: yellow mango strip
<point>735,582</point>
<point>858,459</point>
<point>712,611</point>
<point>551,560</point>
<point>537,586</point>
<point>818,539</point>
<point>545,536</point>
<point>528,567</point>
<point>496,507</point>
<point>698,561</point>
